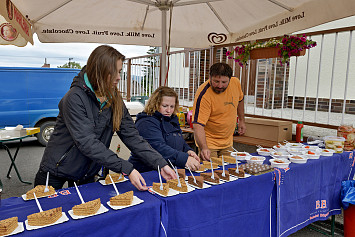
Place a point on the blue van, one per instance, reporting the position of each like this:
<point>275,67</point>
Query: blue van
<point>30,97</point>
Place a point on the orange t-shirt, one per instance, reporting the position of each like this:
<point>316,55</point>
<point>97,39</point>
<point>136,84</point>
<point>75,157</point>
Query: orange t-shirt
<point>218,112</point>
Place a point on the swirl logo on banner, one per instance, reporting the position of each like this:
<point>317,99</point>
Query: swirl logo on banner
<point>215,38</point>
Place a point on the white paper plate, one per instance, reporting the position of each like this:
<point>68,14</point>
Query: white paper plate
<point>209,168</point>
<point>102,209</point>
<point>231,178</point>
<point>245,176</point>
<point>24,197</point>
<point>103,182</point>
<point>62,219</point>
<point>204,185</point>
<point>226,163</point>
<point>199,171</point>
<point>171,192</point>
<point>189,189</point>
<point>19,229</point>
<point>212,183</point>
<point>135,201</point>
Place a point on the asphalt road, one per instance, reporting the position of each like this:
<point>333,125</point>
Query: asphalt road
<point>28,160</point>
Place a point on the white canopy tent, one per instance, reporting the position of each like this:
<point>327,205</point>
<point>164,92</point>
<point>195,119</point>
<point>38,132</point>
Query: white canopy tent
<point>192,23</point>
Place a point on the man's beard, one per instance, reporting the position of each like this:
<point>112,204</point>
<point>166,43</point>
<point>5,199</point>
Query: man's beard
<point>218,91</point>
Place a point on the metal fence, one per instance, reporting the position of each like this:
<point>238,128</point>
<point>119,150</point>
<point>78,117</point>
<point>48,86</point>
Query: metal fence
<point>316,88</point>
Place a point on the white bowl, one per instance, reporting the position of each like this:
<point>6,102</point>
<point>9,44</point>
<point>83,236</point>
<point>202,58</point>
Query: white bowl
<point>311,156</point>
<point>294,145</point>
<point>280,148</point>
<point>308,147</point>
<point>295,151</point>
<point>265,151</point>
<point>327,152</point>
<point>279,155</point>
<point>256,160</point>
<point>241,155</point>
<point>279,163</point>
<point>300,160</point>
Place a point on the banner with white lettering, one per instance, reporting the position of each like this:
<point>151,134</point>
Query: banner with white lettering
<point>195,25</point>
<point>308,15</point>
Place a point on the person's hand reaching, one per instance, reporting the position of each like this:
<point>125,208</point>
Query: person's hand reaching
<point>167,173</point>
<point>137,180</point>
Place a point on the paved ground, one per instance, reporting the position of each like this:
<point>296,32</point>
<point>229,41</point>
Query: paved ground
<point>29,158</point>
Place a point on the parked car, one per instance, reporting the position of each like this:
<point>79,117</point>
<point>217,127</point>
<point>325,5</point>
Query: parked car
<point>30,97</point>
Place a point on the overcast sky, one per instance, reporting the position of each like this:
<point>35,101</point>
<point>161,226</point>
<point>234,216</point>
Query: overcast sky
<point>57,54</point>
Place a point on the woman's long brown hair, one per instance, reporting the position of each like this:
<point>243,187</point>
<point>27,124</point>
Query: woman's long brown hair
<point>101,69</point>
<point>155,99</point>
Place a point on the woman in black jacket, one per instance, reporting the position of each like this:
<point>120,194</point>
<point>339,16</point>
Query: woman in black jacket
<point>159,125</point>
<point>89,113</point>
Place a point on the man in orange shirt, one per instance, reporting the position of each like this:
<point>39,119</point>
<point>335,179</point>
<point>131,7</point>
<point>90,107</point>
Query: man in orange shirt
<point>218,102</point>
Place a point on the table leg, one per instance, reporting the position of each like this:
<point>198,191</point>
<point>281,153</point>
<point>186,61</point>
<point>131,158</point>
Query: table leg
<point>13,162</point>
<point>332,228</point>
<point>12,159</point>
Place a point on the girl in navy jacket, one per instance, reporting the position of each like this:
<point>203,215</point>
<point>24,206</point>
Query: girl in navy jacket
<point>159,125</point>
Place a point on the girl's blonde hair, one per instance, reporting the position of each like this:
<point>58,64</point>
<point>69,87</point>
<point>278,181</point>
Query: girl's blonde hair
<point>101,69</point>
<point>155,99</point>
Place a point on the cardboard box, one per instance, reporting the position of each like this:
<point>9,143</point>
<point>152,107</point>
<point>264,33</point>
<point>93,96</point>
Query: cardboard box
<point>268,129</point>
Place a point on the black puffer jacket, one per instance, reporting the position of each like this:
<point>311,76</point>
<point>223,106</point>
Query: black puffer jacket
<point>79,145</point>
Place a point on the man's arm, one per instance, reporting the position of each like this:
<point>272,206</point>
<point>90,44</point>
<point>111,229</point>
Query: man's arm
<point>241,120</point>
<point>200,137</point>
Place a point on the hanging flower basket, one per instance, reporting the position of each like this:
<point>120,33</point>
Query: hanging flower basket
<point>271,52</point>
<point>275,48</point>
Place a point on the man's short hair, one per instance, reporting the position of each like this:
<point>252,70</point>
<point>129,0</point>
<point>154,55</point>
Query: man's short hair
<point>221,69</point>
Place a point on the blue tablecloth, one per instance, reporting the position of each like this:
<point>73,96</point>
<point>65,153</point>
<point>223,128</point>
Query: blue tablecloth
<point>310,192</point>
<point>304,193</point>
<point>240,208</point>
<point>140,220</point>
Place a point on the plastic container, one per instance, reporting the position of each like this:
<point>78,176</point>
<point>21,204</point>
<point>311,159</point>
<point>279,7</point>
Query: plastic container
<point>348,132</point>
<point>189,118</point>
<point>181,117</point>
<point>335,143</point>
<point>299,132</point>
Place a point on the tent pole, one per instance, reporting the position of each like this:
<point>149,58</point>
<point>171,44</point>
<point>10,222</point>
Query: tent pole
<point>163,43</point>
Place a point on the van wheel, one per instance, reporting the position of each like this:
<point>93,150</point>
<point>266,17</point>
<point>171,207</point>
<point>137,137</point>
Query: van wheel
<point>47,129</point>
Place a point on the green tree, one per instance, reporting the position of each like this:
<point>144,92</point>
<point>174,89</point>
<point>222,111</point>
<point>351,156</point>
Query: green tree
<point>71,65</point>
